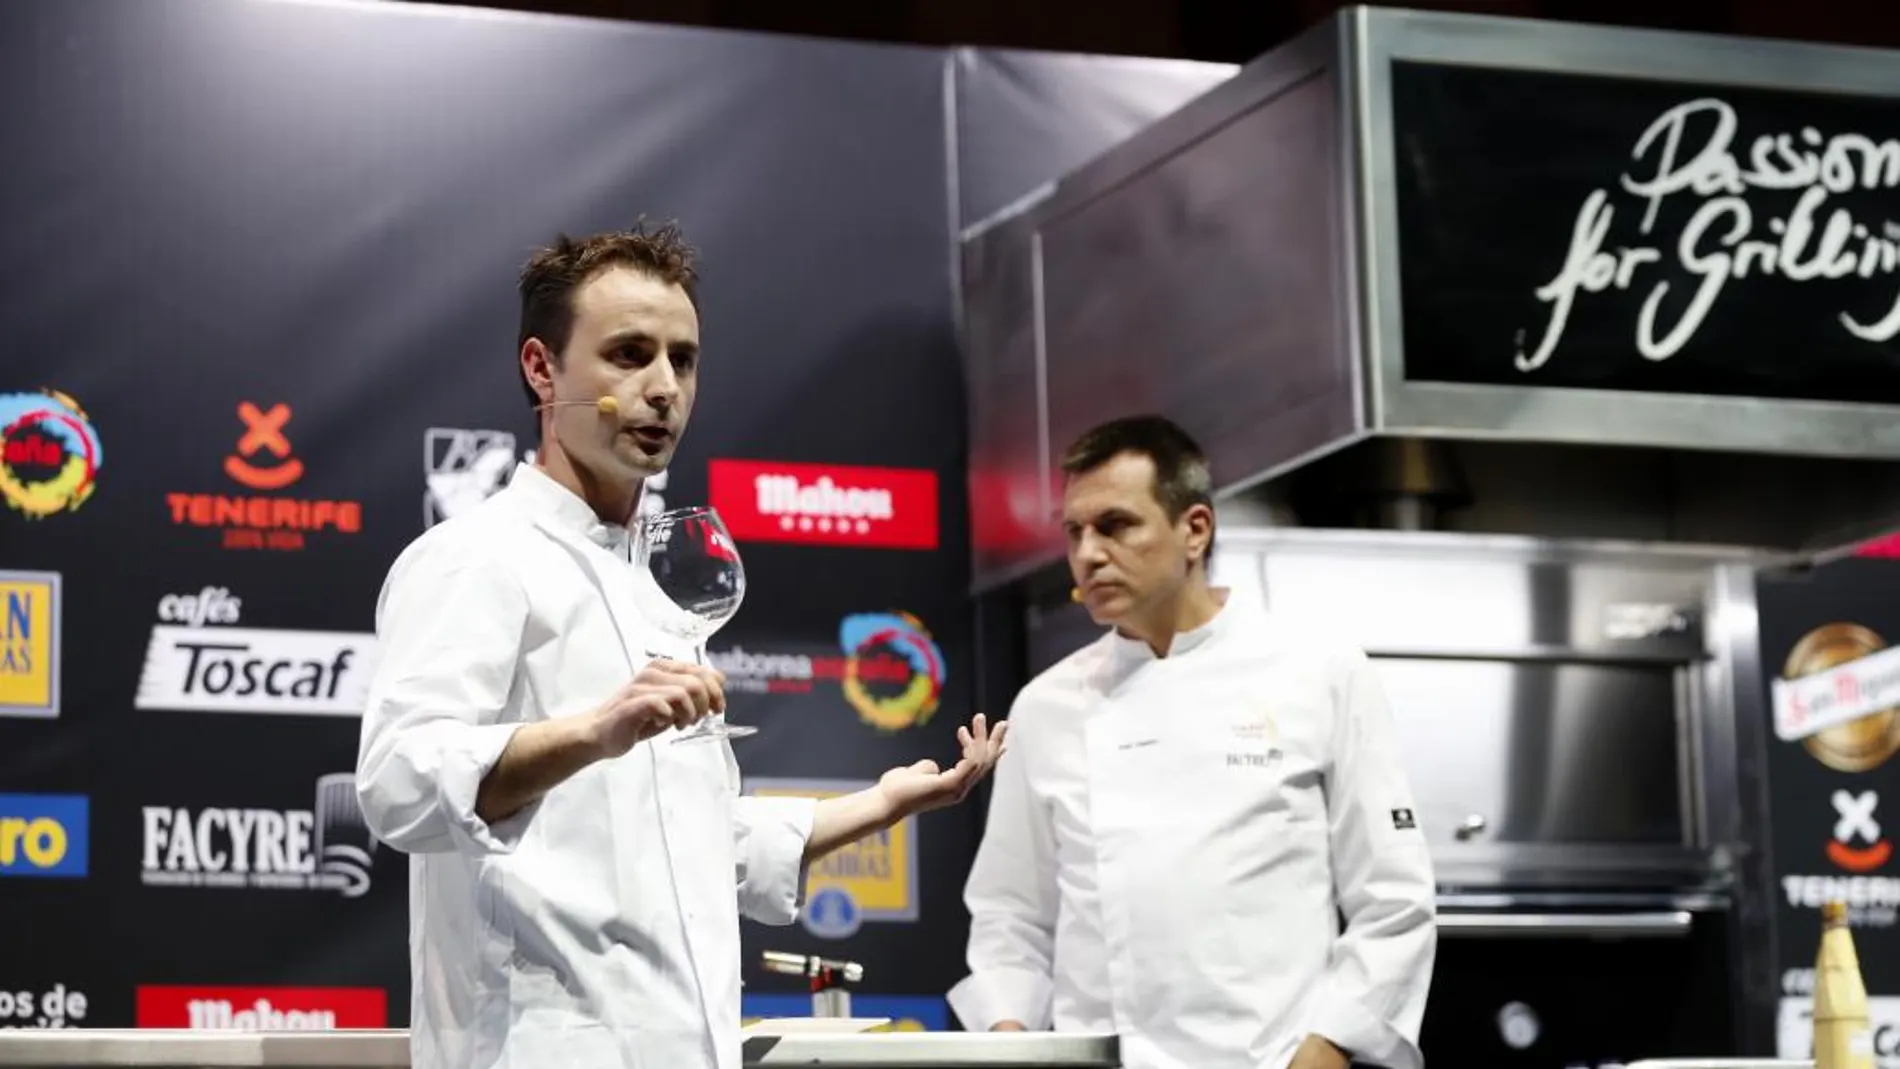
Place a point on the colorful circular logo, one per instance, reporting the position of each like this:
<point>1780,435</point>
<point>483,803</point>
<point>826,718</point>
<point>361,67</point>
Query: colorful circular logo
<point>49,453</point>
<point>1864,742</point>
<point>893,674</point>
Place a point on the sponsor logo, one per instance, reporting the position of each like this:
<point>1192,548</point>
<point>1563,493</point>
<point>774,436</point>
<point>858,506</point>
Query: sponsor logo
<point>825,504</point>
<point>326,848</point>
<point>1764,206</point>
<point>873,879</point>
<point>888,667</point>
<point>1872,901</point>
<point>906,1013</point>
<point>1794,1028</point>
<point>49,453</point>
<point>29,644</point>
<point>1856,824</point>
<point>44,835</point>
<point>58,1006</point>
<point>866,635</point>
<point>262,1009</point>
<point>462,469</point>
<point>1839,696</point>
<point>262,461</point>
<point>197,661</point>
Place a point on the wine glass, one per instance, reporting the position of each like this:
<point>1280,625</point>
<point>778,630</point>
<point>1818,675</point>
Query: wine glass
<point>696,585</point>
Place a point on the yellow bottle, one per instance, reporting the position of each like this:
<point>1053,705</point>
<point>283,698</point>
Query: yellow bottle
<point>1842,1036</point>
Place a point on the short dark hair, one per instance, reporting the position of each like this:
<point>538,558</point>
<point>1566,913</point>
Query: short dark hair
<point>554,273</point>
<point>1182,476</point>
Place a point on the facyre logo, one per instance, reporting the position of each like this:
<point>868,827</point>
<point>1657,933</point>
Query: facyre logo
<point>1873,901</point>
<point>262,1009</point>
<point>58,1006</point>
<point>1693,149</point>
<point>50,454</point>
<point>29,644</point>
<point>198,661</point>
<point>262,460</point>
<point>327,848</point>
<point>873,879</point>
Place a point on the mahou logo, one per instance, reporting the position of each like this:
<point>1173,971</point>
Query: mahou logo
<point>826,504</point>
<point>263,1009</point>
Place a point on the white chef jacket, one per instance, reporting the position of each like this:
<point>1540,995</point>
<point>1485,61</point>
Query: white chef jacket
<point>1170,842</point>
<point>599,926</point>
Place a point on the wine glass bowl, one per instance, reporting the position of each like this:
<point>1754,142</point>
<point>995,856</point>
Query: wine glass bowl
<point>690,582</point>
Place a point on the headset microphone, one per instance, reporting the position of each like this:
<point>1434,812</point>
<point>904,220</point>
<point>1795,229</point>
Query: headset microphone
<point>606,404</point>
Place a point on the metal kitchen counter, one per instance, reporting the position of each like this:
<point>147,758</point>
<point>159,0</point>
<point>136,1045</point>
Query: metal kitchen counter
<point>389,1049</point>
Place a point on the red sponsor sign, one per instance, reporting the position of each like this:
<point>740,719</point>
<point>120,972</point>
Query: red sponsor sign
<point>263,1009</point>
<point>826,504</point>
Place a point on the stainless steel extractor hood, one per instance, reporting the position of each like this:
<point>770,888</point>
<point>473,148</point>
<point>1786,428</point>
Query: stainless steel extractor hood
<point>1472,274</point>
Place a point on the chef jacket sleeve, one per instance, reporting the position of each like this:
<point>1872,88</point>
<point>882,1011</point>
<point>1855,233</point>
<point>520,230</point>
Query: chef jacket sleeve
<point>1011,896</point>
<point>768,838</point>
<point>1372,998</point>
<point>449,628</point>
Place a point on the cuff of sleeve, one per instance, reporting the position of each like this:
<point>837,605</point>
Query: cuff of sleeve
<point>1364,1037</point>
<point>981,1000</point>
<point>775,863</point>
<point>464,764</point>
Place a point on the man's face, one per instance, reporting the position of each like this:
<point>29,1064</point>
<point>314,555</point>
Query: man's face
<point>1124,553</point>
<point>636,338</point>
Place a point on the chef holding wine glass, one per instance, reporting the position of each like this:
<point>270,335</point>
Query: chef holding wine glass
<point>544,738</point>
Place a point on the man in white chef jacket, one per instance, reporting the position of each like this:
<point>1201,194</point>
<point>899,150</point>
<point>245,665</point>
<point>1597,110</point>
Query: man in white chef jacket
<point>577,877</point>
<point>1189,803</point>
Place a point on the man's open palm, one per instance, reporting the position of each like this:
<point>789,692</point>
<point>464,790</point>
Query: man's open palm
<point>923,786</point>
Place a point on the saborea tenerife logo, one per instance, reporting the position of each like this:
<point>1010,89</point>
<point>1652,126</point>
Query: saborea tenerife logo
<point>263,461</point>
<point>891,669</point>
<point>49,453</point>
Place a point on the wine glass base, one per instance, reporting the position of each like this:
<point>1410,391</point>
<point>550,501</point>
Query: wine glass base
<point>722,731</point>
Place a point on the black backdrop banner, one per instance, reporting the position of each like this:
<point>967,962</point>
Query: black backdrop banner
<point>258,299</point>
<point>1646,235</point>
<point>1827,641</point>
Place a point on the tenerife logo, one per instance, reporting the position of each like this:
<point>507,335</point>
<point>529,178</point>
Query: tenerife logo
<point>873,879</point>
<point>49,453</point>
<point>29,644</point>
<point>879,704</point>
<point>262,461</point>
<point>1856,824</point>
<point>328,848</point>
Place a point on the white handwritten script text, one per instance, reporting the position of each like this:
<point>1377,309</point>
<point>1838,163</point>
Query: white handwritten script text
<point>1722,241</point>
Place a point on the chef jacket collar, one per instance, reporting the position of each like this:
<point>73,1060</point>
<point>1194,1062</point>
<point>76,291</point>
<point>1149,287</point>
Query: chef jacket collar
<point>545,497</point>
<point>1134,649</point>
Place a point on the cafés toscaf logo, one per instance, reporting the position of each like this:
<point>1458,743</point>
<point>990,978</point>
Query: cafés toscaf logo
<point>1763,210</point>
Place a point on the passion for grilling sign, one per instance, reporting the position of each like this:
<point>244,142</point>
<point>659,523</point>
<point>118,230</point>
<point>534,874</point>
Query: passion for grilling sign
<point>1609,233</point>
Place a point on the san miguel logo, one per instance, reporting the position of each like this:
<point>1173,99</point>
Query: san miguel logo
<point>257,515</point>
<point>49,453</point>
<point>1839,696</point>
<point>1762,207</point>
